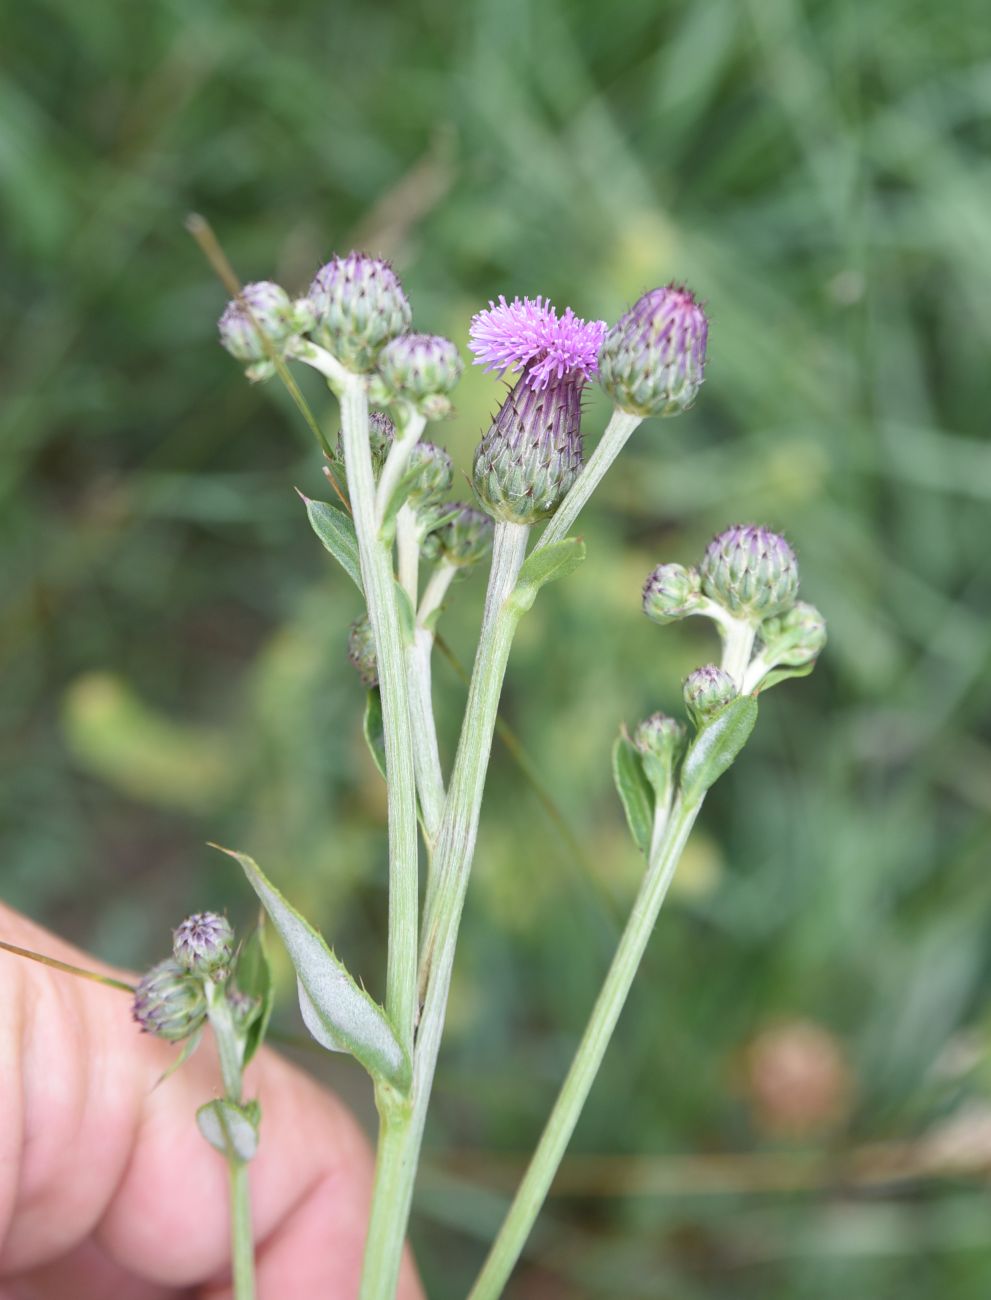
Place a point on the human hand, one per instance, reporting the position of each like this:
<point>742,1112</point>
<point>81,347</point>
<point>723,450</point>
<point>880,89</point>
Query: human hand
<point>107,1189</point>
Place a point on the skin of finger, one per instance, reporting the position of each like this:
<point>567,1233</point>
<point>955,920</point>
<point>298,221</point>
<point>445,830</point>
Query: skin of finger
<point>104,1151</point>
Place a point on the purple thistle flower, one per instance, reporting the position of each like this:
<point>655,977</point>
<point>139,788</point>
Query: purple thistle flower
<point>750,571</point>
<point>653,358</point>
<point>529,337</point>
<point>359,305</point>
<point>169,1002</point>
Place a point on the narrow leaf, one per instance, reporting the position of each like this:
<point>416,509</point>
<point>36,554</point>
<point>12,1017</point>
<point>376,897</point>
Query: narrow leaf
<point>254,978</point>
<point>230,1129</point>
<point>375,729</point>
<point>345,1011</point>
<point>547,565</point>
<point>336,530</point>
<point>634,789</point>
<point>188,1048</point>
<point>782,675</point>
<point>716,746</point>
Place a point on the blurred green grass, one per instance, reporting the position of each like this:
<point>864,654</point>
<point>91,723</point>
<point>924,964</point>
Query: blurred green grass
<point>172,640</point>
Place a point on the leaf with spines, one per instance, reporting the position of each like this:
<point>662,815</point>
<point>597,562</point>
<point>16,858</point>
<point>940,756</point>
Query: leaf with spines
<point>716,746</point>
<point>634,790</point>
<point>346,1014</point>
<point>230,1128</point>
<point>336,530</point>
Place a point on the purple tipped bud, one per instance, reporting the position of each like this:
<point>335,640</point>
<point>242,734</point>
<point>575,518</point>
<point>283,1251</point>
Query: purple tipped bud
<point>532,454</point>
<point>795,638</point>
<point>361,652</point>
<point>463,540</point>
<point>432,473</point>
<point>671,592</point>
<point>169,1002</point>
<point>423,369</point>
<point>750,571</point>
<point>660,741</point>
<point>653,358</point>
<point>203,944</point>
<point>707,692</point>
<point>263,308</point>
<point>381,435</point>
<point>360,305</point>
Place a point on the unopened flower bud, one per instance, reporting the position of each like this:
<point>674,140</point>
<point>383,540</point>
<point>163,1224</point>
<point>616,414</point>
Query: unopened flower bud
<point>432,473</point>
<point>203,944</point>
<point>423,369</point>
<point>794,638</point>
<point>381,435</point>
<point>750,571</point>
<point>659,741</point>
<point>361,651</point>
<point>464,539</point>
<point>652,360</point>
<point>671,592</point>
<point>263,308</point>
<point>169,1002</point>
<point>532,454</point>
<point>359,305</point>
<point>707,692</point>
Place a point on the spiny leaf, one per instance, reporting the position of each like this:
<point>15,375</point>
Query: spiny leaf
<point>346,1013</point>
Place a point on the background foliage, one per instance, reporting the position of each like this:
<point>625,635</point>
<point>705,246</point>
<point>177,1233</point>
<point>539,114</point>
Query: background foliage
<point>173,636</point>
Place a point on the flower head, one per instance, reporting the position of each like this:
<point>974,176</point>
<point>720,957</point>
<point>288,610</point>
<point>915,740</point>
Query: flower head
<point>361,651</point>
<point>750,571</point>
<point>463,539</point>
<point>203,944</point>
<point>423,369</point>
<point>529,337</point>
<point>652,359</point>
<point>263,309</point>
<point>169,1002</point>
<point>359,305</point>
<point>707,692</point>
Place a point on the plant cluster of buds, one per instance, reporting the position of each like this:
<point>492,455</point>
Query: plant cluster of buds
<point>171,1000</point>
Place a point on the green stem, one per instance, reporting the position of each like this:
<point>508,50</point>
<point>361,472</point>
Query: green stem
<point>379,584</point>
<point>242,1241</point>
<point>402,1130</point>
<point>230,1047</point>
<point>544,1163</point>
<point>612,442</point>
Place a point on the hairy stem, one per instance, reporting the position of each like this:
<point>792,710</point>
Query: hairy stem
<point>571,1099</point>
<point>242,1241</point>
<point>402,1135</point>
<point>612,442</point>
<point>380,593</point>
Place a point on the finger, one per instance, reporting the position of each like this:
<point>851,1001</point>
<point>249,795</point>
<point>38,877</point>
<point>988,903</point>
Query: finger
<point>93,1146</point>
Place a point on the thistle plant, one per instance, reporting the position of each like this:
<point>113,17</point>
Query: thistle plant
<point>531,481</point>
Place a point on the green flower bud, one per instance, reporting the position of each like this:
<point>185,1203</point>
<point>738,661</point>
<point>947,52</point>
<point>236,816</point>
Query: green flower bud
<point>707,692</point>
<point>651,361</point>
<point>750,571</point>
<point>432,473</point>
<point>671,592</point>
<point>423,369</point>
<point>263,308</point>
<point>203,944</point>
<point>361,651</point>
<point>660,741</point>
<point>464,539</point>
<point>532,454</point>
<point>359,305</point>
<point>793,639</point>
<point>381,435</point>
<point>169,1002</point>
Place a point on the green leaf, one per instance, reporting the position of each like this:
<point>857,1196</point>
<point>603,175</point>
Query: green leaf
<point>634,789</point>
<point>374,728</point>
<point>547,565</point>
<point>231,1129</point>
<point>716,746</point>
<point>254,978</point>
<point>188,1048</point>
<point>347,1017</point>
<point>336,530</point>
<point>782,675</point>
